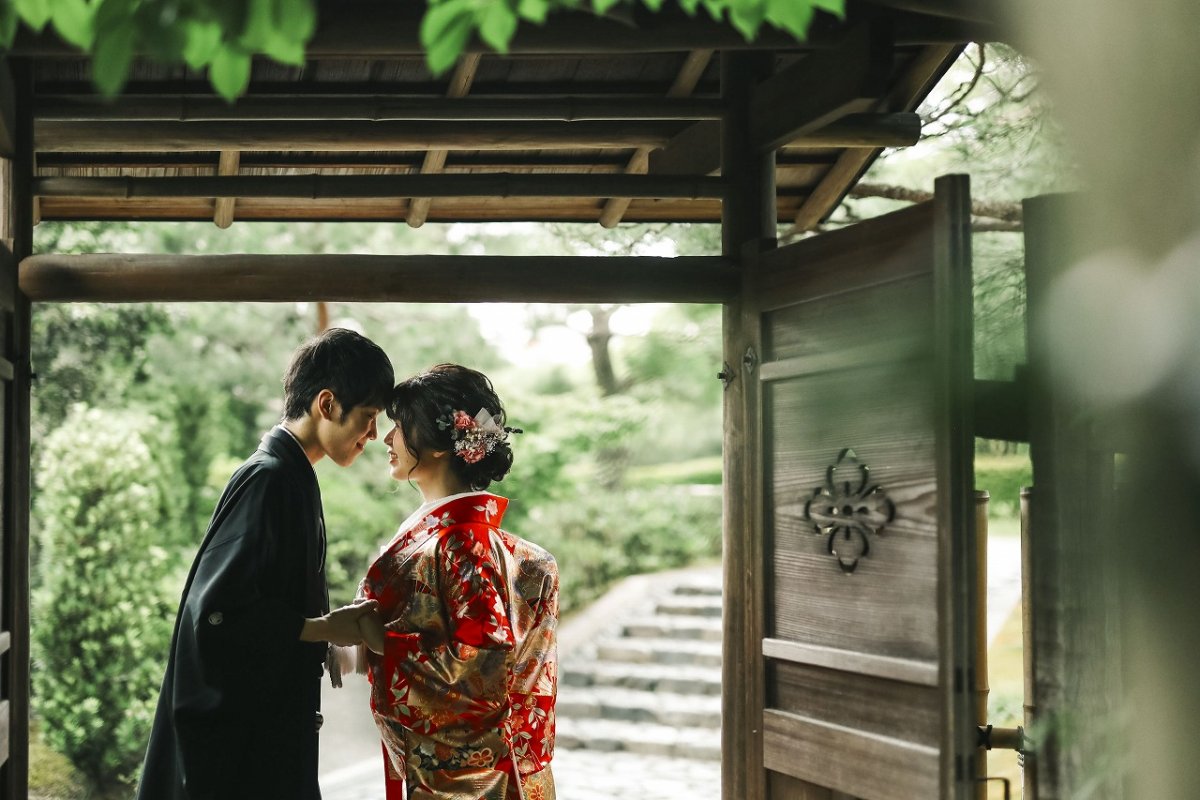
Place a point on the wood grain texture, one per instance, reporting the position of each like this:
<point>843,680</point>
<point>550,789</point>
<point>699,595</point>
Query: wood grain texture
<point>877,705</point>
<point>865,765</point>
<point>900,670</point>
<point>436,279</point>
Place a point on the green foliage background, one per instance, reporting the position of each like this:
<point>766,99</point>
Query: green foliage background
<point>101,617</point>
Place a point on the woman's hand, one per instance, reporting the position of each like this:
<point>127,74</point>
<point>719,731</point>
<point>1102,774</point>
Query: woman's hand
<point>370,626</point>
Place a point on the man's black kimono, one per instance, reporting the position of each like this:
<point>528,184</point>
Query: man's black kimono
<point>237,714</point>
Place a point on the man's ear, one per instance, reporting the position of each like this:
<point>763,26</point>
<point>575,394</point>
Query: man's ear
<point>324,405</point>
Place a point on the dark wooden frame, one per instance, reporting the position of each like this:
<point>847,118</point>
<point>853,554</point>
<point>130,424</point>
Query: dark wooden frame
<point>737,133</point>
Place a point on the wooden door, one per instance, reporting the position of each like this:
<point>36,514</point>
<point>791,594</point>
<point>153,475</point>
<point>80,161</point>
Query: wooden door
<point>849,513</point>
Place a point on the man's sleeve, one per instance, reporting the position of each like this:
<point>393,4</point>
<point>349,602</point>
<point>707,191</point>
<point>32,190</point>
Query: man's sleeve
<point>236,600</point>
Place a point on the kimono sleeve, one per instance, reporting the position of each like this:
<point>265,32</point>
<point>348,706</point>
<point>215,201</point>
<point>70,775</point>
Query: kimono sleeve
<point>478,636</point>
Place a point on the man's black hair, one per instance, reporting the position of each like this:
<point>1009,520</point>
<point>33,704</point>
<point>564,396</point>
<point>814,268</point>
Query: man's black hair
<point>346,363</point>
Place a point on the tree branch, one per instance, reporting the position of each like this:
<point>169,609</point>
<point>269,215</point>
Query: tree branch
<point>1007,212</point>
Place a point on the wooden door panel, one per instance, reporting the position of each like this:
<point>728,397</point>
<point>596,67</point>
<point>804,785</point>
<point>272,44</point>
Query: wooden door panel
<point>860,354</point>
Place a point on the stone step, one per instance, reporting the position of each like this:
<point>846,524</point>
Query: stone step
<point>699,588</point>
<point>637,737</point>
<point>632,705</point>
<point>679,679</point>
<point>695,605</point>
<point>675,626</point>
<point>660,651</point>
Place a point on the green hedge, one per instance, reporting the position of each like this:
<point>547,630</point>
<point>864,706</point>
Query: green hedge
<point>600,538</point>
<point>1003,477</point>
<point>101,623</point>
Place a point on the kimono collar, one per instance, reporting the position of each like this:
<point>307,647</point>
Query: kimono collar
<point>475,507</point>
<point>283,445</point>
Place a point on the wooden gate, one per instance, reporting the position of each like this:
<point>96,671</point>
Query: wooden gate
<point>849,513</point>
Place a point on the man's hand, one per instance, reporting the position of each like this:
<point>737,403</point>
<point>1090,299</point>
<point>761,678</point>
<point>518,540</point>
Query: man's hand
<point>339,626</point>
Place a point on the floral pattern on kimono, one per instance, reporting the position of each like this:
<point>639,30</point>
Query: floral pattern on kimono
<point>464,692</point>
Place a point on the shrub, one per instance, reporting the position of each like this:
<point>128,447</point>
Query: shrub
<point>101,626</point>
<point>600,538</point>
<point>1002,477</point>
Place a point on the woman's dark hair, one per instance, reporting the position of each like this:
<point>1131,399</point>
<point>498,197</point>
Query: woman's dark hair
<point>346,363</point>
<point>419,403</point>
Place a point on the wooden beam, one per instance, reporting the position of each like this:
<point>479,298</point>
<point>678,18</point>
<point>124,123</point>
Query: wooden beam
<point>822,87</point>
<point>965,10</point>
<point>337,186</point>
<point>372,108</point>
<point>139,137</point>
<point>425,279</point>
<point>435,160</point>
<point>921,74</point>
<point>684,84</point>
<point>696,150</point>
<point>223,210</point>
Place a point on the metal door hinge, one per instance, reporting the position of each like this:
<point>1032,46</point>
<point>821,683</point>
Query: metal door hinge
<point>726,375</point>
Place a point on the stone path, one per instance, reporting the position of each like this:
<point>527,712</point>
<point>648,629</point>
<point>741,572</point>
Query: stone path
<point>639,693</point>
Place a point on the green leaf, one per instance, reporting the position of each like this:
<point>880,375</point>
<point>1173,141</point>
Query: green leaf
<point>835,7</point>
<point>36,13</point>
<point>497,24</point>
<point>296,19</point>
<point>746,16</point>
<point>203,39</point>
<point>8,24</point>
<point>260,25</point>
<point>533,10</point>
<point>285,51</point>
<point>445,30</point>
<point>793,17</point>
<point>603,6</point>
<point>111,57</point>
<point>229,72</point>
<point>73,21</point>
<point>653,5</point>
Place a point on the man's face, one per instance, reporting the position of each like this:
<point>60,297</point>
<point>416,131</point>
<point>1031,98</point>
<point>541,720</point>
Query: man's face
<point>344,439</point>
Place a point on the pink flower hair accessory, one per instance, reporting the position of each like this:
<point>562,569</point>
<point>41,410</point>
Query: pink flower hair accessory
<point>474,437</point>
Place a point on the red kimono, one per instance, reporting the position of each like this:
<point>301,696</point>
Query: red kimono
<point>464,692</point>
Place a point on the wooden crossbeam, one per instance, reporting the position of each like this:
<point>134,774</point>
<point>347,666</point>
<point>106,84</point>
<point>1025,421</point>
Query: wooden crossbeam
<point>697,150</point>
<point>134,137</point>
<point>433,279</point>
<point>924,70</point>
<point>811,94</point>
<point>387,186</point>
<point>372,108</point>
<point>223,210</point>
<point>822,87</point>
<point>435,160</point>
<point>684,84</point>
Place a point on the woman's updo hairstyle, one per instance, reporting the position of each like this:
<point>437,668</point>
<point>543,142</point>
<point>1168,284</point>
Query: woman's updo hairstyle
<point>424,407</point>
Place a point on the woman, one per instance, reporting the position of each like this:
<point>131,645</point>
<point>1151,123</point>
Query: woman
<point>462,656</point>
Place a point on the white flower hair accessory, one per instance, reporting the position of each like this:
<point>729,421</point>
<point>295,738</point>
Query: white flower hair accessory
<point>474,437</point>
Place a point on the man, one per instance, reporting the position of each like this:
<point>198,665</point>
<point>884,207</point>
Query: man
<point>239,708</point>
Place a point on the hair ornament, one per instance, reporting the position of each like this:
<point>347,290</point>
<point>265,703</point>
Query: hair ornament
<point>474,437</point>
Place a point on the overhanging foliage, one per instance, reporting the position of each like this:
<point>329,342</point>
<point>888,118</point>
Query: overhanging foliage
<point>223,36</point>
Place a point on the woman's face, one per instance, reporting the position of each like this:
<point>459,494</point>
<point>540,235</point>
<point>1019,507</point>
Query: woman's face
<point>402,464</point>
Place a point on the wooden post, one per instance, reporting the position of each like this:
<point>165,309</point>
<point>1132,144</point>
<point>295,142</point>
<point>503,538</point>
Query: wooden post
<point>982,687</point>
<point>1029,788</point>
<point>14,616</point>
<point>748,224</point>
